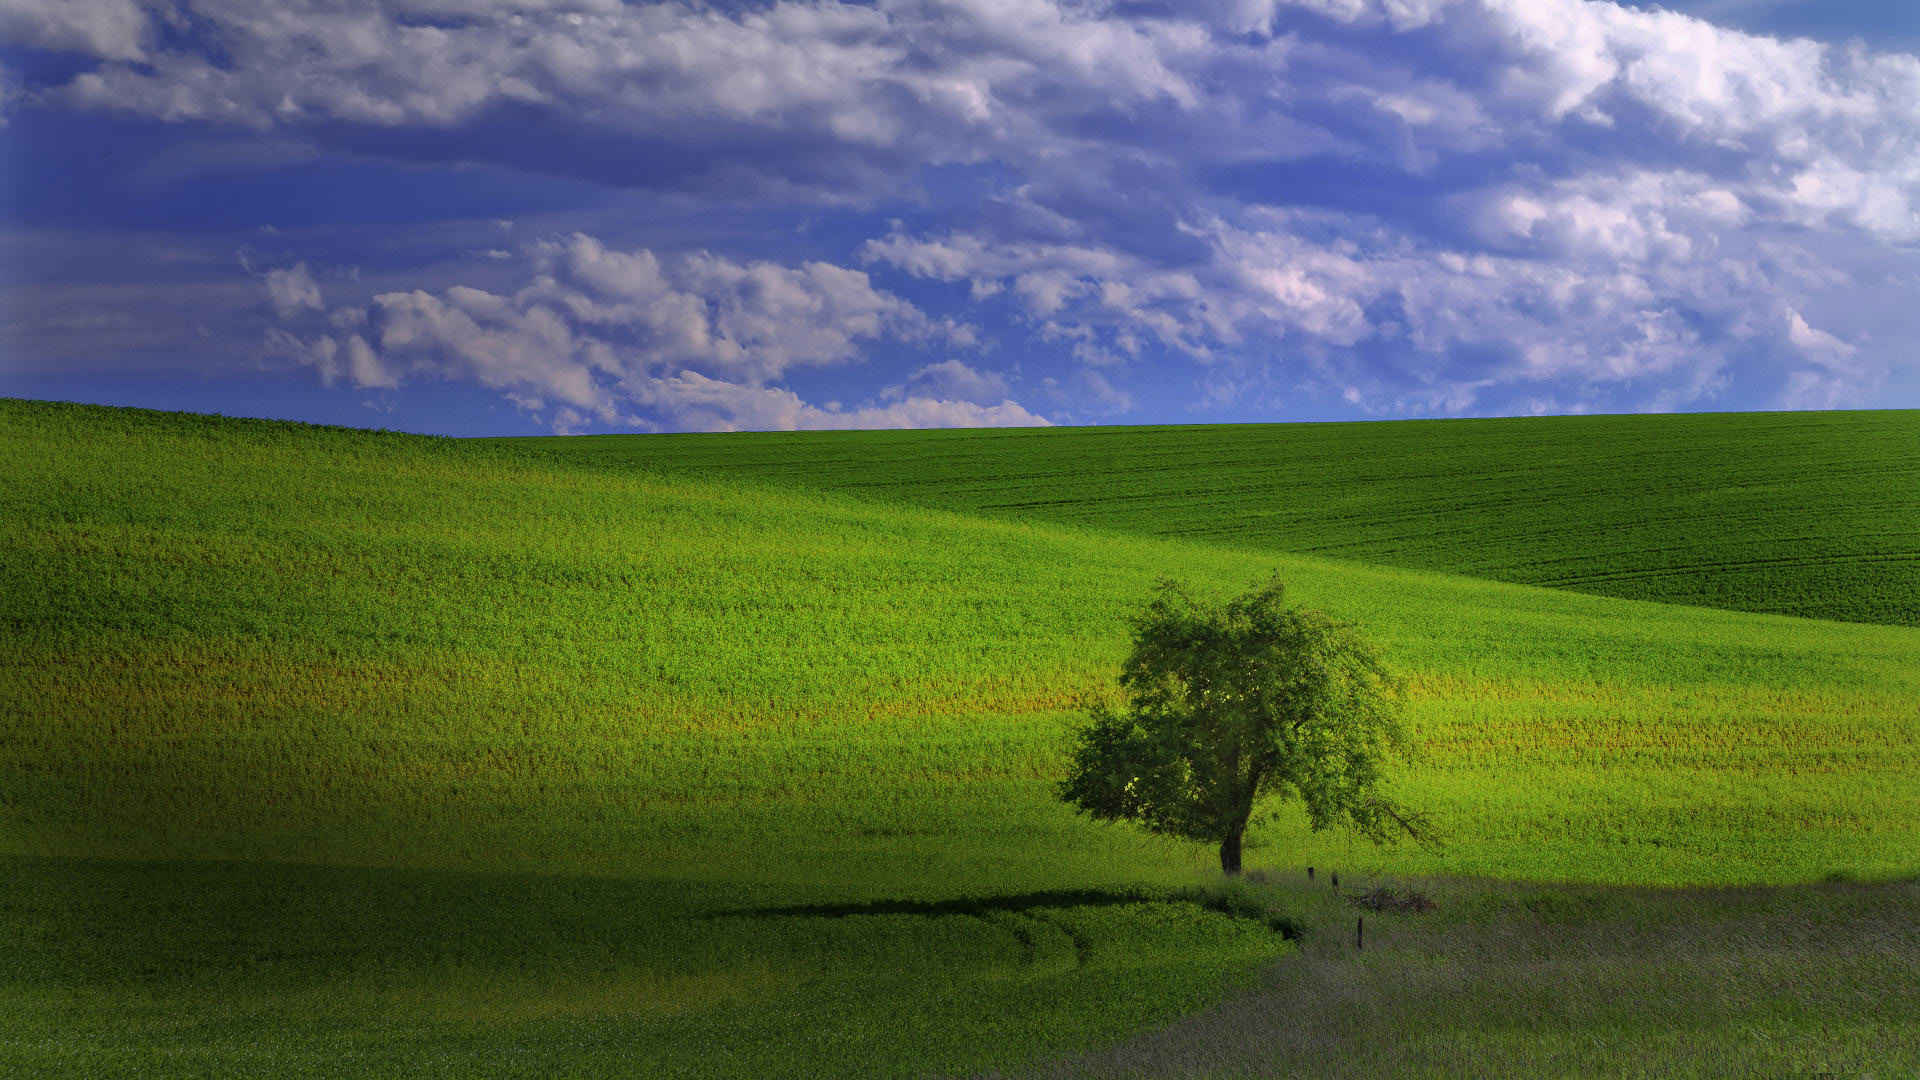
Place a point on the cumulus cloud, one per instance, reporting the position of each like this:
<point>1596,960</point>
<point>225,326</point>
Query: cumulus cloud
<point>752,320</point>
<point>1067,290</point>
<point>953,380</point>
<point>1813,342</point>
<point>694,400</point>
<point>344,359</point>
<point>293,290</point>
<point>596,333</point>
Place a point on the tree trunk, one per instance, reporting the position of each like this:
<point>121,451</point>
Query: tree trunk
<point>1230,854</point>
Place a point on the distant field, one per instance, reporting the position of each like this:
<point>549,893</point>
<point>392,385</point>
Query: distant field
<point>513,765</point>
<point>1812,514</point>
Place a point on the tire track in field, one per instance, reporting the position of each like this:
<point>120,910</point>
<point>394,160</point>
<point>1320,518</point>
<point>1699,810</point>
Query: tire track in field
<point>1692,568</point>
<point>1082,947</point>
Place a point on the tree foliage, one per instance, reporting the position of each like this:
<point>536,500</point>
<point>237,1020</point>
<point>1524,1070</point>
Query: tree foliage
<point>1230,703</point>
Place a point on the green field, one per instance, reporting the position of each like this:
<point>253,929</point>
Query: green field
<point>332,752</point>
<point>1811,514</point>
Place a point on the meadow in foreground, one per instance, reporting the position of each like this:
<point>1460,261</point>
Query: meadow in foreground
<point>507,764</point>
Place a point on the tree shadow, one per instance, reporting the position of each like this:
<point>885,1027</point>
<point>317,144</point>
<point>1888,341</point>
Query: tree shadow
<point>1223,903</point>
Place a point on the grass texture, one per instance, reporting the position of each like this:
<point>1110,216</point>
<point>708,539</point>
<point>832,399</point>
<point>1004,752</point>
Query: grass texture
<point>1505,979</point>
<point>325,750</point>
<point>1811,514</point>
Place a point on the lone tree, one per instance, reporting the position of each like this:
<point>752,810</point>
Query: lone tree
<point>1227,703</point>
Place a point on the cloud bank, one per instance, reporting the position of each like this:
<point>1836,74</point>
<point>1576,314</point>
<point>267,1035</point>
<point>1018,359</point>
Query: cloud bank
<point>595,333</point>
<point>1409,207</point>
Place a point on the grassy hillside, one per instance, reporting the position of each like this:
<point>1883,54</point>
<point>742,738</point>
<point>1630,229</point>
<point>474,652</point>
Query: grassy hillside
<point>1813,514</point>
<point>519,766</point>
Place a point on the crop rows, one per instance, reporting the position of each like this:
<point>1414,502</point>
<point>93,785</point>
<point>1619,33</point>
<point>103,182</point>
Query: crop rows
<point>1811,514</point>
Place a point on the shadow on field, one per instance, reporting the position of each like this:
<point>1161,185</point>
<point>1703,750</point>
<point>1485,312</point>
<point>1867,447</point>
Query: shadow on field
<point>1233,905</point>
<point>98,921</point>
<point>1058,898</point>
<point>104,922</point>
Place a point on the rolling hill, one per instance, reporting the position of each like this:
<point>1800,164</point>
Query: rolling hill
<point>1810,514</point>
<point>321,746</point>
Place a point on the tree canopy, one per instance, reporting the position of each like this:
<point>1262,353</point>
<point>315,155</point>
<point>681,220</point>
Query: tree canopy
<point>1229,703</point>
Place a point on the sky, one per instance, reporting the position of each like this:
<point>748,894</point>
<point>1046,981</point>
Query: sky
<point>496,217</point>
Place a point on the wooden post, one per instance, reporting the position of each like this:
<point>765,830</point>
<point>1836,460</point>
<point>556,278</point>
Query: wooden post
<point>1309,873</point>
<point>1360,932</point>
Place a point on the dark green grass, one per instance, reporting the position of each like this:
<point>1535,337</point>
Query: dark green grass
<point>515,766</point>
<point>142,969</point>
<point>1813,514</point>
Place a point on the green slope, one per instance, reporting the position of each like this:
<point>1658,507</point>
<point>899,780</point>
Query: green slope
<point>1813,514</point>
<point>615,766</point>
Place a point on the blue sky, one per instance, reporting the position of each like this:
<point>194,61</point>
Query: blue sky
<point>513,216</point>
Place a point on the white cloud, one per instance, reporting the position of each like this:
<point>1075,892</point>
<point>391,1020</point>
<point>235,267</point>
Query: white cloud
<point>1836,374</point>
<point>693,400</point>
<point>1083,293</point>
<point>293,290</point>
<point>108,29</point>
<point>953,380</point>
<point>364,367</point>
<point>1821,129</point>
<point>597,332</point>
<point>1813,342</point>
<point>751,320</point>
